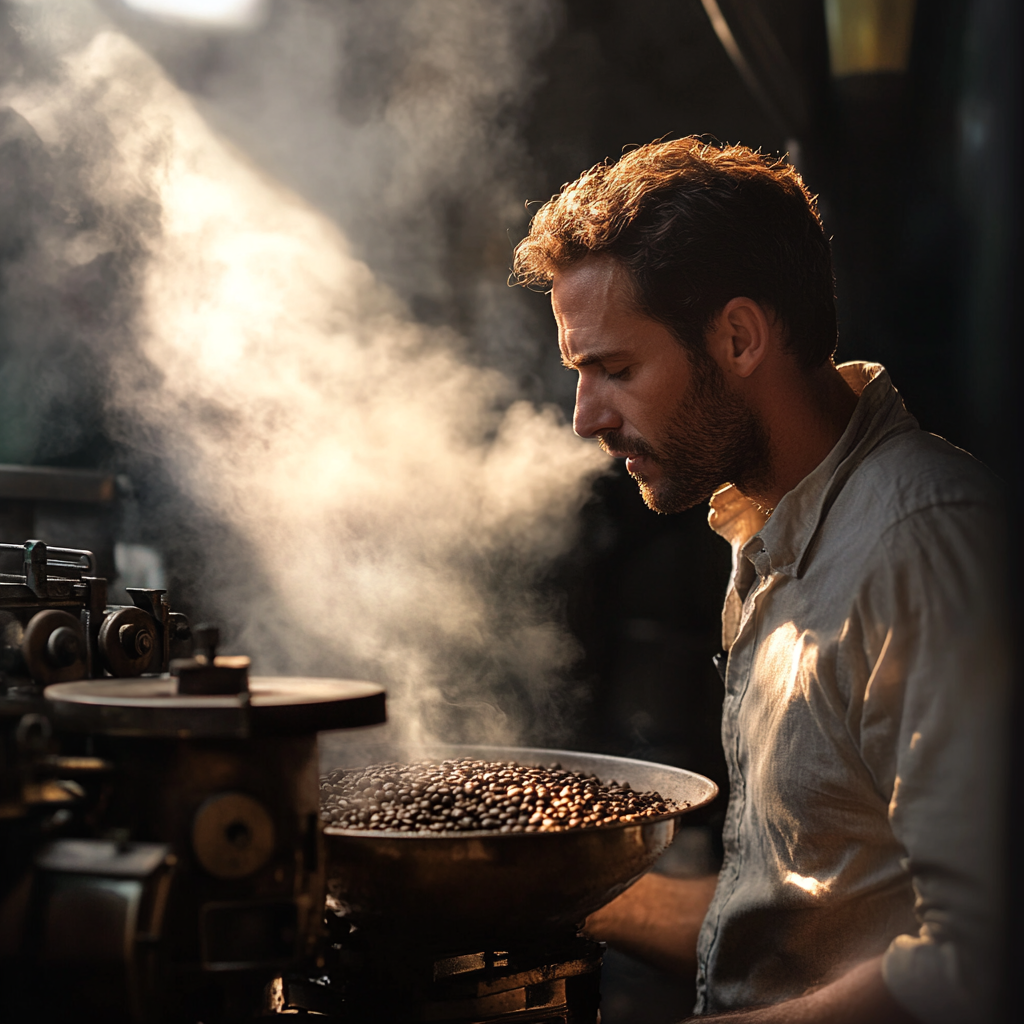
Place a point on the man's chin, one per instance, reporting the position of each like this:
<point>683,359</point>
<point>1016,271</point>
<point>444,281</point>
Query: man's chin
<point>668,498</point>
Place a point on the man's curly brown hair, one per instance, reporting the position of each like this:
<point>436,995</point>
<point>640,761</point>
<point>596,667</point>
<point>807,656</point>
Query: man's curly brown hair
<point>696,224</point>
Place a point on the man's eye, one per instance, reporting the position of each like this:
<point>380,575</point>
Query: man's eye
<point>623,374</point>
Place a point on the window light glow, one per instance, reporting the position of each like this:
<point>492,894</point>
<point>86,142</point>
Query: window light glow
<point>229,14</point>
<point>869,36</point>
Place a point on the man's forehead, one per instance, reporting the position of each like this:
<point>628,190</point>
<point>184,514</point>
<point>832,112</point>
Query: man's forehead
<point>590,287</point>
<point>598,321</point>
<point>591,303</point>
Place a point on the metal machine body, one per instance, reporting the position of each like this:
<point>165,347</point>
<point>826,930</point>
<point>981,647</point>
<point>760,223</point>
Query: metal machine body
<point>56,625</point>
<point>553,979</point>
<point>163,851</point>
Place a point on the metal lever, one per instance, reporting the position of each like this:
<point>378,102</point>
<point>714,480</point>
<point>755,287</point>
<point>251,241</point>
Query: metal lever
<point>38,563</point>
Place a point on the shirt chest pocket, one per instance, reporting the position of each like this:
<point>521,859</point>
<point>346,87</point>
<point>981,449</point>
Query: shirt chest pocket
<point>797,753</point>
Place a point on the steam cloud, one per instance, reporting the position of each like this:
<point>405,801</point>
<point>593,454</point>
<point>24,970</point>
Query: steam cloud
<point>359,494</point>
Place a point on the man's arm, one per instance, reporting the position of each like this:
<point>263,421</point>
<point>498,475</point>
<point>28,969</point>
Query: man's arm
<point>858,997</point>
<point>656,920</point>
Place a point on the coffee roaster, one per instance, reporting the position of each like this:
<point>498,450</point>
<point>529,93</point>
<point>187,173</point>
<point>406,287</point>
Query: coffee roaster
<point>482,926</point>
<point>162,847</point>
<point>164,858</point>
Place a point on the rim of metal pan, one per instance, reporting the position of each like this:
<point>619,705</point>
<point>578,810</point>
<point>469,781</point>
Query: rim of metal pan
<point>545,753</point>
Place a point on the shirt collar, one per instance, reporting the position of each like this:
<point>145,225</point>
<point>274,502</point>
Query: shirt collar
<point>779,542</point>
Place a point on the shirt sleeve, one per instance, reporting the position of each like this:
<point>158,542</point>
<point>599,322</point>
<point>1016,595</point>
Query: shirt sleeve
<point>934,736</point>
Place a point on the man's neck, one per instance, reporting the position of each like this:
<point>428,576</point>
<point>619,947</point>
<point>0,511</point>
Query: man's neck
<point>805,417</point>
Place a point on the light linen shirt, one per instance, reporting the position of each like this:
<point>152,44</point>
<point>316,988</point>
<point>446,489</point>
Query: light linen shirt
<point>863,725</point>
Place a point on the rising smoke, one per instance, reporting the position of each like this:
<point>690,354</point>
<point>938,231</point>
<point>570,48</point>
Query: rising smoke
<point>358,491</point>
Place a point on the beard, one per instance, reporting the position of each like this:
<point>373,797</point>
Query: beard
<point>712,438</point>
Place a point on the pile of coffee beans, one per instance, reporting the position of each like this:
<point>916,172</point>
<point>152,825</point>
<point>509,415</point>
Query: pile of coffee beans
<point>466,795</point>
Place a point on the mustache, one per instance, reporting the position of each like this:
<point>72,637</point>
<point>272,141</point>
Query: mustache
<point>614,442</point>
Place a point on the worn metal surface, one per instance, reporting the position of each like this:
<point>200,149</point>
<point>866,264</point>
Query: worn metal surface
<point>464,887</point>
<point>272,706</point>
<point>54,646</point>
<point>127,640</point>
<point>38,648</point>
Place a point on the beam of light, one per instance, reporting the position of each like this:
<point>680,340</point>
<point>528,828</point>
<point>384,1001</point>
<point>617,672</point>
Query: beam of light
<point>894,799</point>
<point>376,478</point>
<point>227,14</point>
<point>732,48</point>
<point>790,656</point>
<point>809,885</point>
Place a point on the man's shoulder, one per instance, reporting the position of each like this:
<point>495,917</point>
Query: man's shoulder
<point>912,471</point>
<point>915,507</point>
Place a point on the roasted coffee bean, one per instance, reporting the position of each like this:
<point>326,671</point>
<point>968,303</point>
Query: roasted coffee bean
<point>467,795</point>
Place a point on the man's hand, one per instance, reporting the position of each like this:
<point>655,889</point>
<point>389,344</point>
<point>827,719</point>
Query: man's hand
<point>656,920</point>
<point>858,997</point>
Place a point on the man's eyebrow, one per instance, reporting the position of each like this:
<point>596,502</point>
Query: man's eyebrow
<point>592,357</point>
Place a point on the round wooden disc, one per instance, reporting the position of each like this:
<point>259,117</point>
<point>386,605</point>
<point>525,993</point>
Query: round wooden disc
<point>274,705</point>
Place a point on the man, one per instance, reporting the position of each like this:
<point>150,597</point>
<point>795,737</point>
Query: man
<point>693,290</point>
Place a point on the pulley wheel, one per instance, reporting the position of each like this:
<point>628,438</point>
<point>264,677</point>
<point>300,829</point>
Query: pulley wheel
<point>128,642</point>
<point>54,647</point>
<point>232,835</point>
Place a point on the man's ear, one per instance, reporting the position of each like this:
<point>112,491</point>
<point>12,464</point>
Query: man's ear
<point>739,337</point>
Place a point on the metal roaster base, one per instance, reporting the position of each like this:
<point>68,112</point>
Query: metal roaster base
<point>550,981</point>
<point>202,873</point>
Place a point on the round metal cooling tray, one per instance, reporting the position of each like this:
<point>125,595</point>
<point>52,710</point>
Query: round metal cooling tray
<point>273,706</point>
<point>456,886</point>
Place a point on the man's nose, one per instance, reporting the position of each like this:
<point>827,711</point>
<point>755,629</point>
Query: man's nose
<point>594,411</point>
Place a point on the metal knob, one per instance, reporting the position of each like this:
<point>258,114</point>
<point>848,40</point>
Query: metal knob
<point>137,641</point>
<point>63,647</point>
